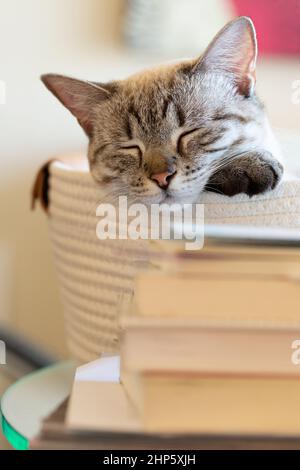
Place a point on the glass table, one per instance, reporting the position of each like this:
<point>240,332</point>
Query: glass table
<point>29,400</point>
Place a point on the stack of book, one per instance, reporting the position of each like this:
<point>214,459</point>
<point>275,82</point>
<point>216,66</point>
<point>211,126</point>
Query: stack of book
<point>210,353</point>
<point>213,343</point>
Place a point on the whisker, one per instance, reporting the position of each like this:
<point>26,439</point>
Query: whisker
<point>208,188</point>
<point>226,160</point>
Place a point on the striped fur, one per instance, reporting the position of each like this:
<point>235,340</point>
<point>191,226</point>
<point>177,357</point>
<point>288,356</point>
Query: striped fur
<point>200,118</point>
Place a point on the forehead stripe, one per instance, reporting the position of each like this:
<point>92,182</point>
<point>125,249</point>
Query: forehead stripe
<point>128,129</point>
<point>180,115</point>
<point>134,113</point>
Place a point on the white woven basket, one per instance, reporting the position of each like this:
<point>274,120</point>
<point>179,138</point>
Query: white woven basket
<point>97,276</point>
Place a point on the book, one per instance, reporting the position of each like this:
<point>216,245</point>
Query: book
<point>209,343</point>
<point>207,350</point>
<point>246,274</point>
<point>191,345</point>
<point>252,298</point>
<point>57,430</point>
<point>247,248</point>
<point>233,260</point>
<point>54,435</point>
<point>230,405</point>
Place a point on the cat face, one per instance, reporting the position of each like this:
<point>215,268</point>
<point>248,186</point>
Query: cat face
<point>160,134</point>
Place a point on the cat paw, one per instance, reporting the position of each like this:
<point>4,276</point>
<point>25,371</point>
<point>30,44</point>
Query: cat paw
<point>254,173</point>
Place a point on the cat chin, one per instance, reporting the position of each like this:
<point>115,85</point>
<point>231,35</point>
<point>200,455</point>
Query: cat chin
<point>182,197</point>
<point>166,197</point>
<point>179,199</point>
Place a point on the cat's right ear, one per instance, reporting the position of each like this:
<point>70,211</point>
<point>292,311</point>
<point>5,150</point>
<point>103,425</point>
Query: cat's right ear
<point>233,52</point>
<point>78,96</point>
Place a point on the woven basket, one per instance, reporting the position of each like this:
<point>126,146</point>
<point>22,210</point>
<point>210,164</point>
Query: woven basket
<point>96,276</point>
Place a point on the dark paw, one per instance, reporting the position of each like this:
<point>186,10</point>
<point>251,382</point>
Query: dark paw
<point>252,174</point>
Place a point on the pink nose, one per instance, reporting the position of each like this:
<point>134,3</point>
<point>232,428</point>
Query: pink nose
<point>163,179</point>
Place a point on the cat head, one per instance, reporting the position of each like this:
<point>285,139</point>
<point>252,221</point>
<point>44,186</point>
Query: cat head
<point>160,134</point>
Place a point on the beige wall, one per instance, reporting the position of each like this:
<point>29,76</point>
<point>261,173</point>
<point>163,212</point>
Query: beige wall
<point>38,36</point>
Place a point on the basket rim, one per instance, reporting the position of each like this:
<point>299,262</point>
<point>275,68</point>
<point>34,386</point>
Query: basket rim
<point>71,166</point>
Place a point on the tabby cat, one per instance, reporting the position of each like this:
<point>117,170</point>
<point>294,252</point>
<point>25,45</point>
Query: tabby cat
<point>168,133</point>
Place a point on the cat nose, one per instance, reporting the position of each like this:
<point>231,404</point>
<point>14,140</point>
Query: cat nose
<point>163,179</point>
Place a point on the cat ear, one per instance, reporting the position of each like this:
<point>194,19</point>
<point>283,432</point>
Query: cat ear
<point>233,51</point>
<point>78,96</point>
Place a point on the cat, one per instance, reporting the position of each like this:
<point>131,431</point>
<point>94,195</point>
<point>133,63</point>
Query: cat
<point>168,133</point>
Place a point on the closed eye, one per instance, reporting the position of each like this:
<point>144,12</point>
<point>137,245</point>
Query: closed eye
<point>132,148</point>
<point>205,139</point>
<point>185,134</point>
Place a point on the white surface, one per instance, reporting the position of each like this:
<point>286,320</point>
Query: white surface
<point>104,369</point>
<point>269,236</point>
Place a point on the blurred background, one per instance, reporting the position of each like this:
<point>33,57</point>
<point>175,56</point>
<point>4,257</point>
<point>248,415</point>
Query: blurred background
<point>101,40</point>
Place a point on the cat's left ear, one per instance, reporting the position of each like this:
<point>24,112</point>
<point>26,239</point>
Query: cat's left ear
<point>79,96</point>
<point>233,51</point>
